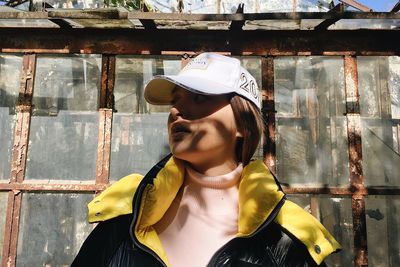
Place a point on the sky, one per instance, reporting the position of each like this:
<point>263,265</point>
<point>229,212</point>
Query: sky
<point>379,5</point>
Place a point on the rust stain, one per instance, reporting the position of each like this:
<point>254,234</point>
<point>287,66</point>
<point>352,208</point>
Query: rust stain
<point>355,161</point>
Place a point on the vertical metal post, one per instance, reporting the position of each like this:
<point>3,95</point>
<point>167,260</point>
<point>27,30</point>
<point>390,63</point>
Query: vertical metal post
<point>105,119</point>
<point>19,156</point>
<point>268,112</point>
<point>355,161</point>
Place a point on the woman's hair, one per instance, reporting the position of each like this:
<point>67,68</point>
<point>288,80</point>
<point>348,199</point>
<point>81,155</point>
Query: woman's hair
<point>250,124</point>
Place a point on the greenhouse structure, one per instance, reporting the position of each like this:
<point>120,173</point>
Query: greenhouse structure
<point>73,119</point>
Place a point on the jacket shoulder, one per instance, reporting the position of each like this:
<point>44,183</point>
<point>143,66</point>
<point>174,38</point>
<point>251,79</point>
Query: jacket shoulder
<point>115,201</point>
<point>308,230</point>
<point>286,250</point>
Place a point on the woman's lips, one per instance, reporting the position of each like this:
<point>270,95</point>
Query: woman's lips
<point>179,129</point>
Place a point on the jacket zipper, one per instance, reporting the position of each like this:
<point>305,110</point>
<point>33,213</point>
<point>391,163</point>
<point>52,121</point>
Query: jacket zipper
<point>271,217</point>
<point>135,209</point>
<point>133,225</point>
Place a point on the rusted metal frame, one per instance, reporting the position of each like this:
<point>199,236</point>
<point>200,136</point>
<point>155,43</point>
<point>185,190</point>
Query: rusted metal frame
<point>107,81</point>
<point>105,119</point>
<point>349,191</point>
<point>339,8</point>
<point>356,5</point>
<point>24,106</point>
<point>19,156</point>
<point>136,41</point>
<point>315,190</point>
<point>11,229</point>
<point>104,146</point>
<point>53,187</point>
<point>355,161</point>
<point>268,112</point>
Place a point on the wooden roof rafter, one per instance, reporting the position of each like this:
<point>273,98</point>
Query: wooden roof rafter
<point>238,25</point>
<point>339,8</point>
<point>357,5</point>
<point>396,7</point>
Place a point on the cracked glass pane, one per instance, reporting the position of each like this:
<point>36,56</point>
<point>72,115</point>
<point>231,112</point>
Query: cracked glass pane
<point>379,86</point>
<point>3,210</point>
<point>52,228</point>
<point>10,72</point>
<point>139,138</point>
<point>311,129</point>
<point>64,124</point>
<point>383,220</point>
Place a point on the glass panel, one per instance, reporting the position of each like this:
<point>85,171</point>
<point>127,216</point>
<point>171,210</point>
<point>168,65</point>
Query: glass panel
<point>3,210</point>
<point>313,5</point>
<point>27,23</point>
<point>64,125</point>
<point>379,86</point>
<point>276,6</point>
<point>356,24</point>
<point>224,6</point>
<point>10,72</point>
<point>272,25</point>
<point>140,139</point>
<point>250,6</point>
<point>73,3</point>
<point>311,138</point>
<point>383,220</point>
<point>335,214</point>
<point>52,228</point>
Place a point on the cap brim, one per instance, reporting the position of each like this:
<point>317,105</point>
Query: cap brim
<point>159,90</point>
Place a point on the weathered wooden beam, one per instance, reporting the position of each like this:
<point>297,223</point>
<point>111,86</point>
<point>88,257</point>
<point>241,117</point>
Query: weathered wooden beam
<point>136,41</point>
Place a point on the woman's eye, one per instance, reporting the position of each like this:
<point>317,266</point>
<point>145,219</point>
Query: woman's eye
<point>174,100</point>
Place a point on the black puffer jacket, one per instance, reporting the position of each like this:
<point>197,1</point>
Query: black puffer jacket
<point>115,242</point>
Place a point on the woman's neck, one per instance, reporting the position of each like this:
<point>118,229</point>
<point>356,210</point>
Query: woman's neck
<point>210,169</point>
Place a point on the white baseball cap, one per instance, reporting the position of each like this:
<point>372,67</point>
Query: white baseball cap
<point>207,74</point>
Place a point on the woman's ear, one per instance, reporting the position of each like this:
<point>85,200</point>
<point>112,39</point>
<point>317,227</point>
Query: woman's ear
<point>239,134</point>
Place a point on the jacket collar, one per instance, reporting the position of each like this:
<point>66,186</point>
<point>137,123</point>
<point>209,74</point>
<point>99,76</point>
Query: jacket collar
<point>259,195</point>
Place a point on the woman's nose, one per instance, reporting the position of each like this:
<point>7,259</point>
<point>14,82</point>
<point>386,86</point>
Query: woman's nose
<point>175,113</point>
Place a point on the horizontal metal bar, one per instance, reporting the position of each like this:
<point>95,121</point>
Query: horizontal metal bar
<point>123,14</point>
<point>372,190</point>
<point>342,190</point>
<point>263,16</point>
<point>53,187</point>
<point>135,41</point>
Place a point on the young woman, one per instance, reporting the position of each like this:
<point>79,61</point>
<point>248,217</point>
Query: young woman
<point>208,203</point>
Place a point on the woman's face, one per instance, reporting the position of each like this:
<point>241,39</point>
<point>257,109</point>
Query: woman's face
<point>202,129</point>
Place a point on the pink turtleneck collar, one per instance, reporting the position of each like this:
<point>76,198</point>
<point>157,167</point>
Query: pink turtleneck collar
<point>201,219</point>
<point>217,182</point>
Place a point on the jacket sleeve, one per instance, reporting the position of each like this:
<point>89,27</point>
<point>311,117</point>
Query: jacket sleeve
<point>290,252</point>
<point>103,242</point>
